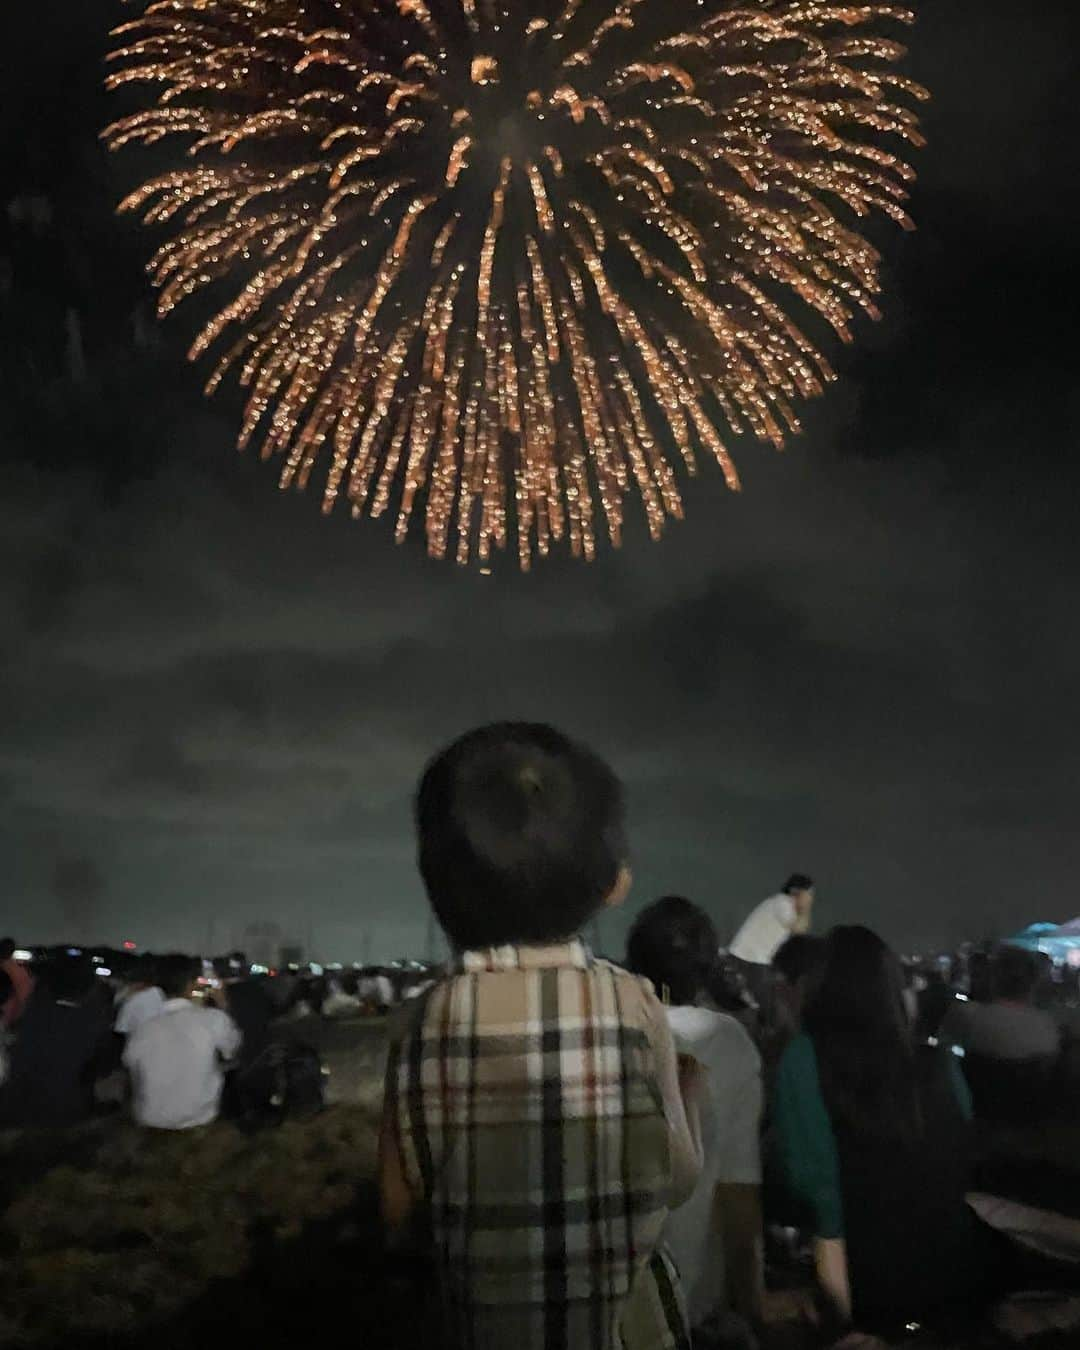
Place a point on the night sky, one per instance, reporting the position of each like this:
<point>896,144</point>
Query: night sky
<point>216,704</point>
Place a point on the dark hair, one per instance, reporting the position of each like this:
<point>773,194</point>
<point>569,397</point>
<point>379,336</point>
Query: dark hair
<point>6,987</point>
<point>69,978</point>
<point>856,1017</point>
<point>7,948</point>
<point>1014,973</point>
<point>798,956</point>
<point>521,835</point>
<point>798,881</point>
<point>176,975</point>
<point>674,943</point>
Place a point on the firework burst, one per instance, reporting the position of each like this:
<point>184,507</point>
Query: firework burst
<point>516,259</point>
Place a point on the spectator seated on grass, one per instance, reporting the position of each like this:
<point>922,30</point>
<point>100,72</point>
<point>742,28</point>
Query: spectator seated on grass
<point>176,1059</point>
<point>62,1042</point>
<point>547,1173</point>
<point>1009,1026</point>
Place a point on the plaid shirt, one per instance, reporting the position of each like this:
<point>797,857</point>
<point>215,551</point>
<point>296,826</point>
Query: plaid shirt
<point>530,1100</point>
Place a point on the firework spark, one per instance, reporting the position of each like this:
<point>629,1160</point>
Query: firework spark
<point>516,260</point>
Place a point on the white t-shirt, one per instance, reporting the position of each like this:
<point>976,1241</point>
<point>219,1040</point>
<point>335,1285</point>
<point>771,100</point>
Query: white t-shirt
<point>1002,1030</point>
<point>765,930</point>
<point>730,1124</point>
<point>175,1062</point>
<point>138,1008</point>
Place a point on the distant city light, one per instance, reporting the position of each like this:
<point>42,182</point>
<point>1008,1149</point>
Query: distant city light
<point>21,954</point>
<point>74,951</point>
<point>129,946</point>
<point>103,971</point>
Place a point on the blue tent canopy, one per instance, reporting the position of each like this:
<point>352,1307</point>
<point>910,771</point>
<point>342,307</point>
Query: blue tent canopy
<point>1052,939</point>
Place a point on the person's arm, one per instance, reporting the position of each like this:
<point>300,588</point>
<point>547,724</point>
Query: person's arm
<point>802,905</point>
<point>738,1219</point>
<point>227,1035</point>
<point>737,1198</point>
<point>680,1087</point>
<point>397,1197</point>
<point>831,1267</point>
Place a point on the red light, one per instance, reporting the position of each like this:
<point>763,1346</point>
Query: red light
<point>129,946</point>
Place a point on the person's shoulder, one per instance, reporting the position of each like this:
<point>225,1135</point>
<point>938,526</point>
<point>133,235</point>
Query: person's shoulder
<point>621,974</point>
<point>712,1035</point>
<point>799,1055</point>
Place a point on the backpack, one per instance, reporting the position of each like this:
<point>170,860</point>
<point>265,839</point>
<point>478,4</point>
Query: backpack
<point>284,1082</point>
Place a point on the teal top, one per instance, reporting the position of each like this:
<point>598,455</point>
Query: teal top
<point>805,1138</point>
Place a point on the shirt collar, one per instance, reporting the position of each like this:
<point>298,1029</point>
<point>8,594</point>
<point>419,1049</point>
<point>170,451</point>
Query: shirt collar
<point>510,957</point>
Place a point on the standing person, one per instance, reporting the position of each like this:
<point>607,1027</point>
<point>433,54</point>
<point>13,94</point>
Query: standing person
<point>715,1237</point>
<point>872,1132</point>
<point>21,981</point>
<point>533,1105</point>
<point>143,999</point>
<point>176,1059</point>
<point>764,931</point>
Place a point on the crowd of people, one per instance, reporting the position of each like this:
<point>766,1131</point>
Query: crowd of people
<point>591,1153</point>
<point>594,1154</point>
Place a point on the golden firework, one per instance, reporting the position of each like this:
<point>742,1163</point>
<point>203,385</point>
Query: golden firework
<point>516,258</point>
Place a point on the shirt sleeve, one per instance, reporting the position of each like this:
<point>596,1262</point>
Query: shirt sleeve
<point>227,1035</point>
<point>740,1160</point>
<point>805,1138</point>
<point>683,1135</point>
<point>785,911</point>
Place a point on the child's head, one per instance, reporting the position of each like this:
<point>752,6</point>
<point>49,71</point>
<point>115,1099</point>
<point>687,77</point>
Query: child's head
<point>521,835</point>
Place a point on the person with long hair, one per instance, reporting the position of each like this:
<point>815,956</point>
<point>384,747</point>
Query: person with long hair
<point>872,1134</point>
<point>714,1236</point>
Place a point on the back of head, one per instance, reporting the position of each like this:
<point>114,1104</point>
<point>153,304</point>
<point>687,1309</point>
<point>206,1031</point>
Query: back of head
<point>7,948</point>
<point>856,1017</point>
<point>674,944</point>
<point>142,970</point>
<point>70,978</point>
<point>799,957</point>
<point>6,987</point>
<point>1014,974</point>
<point>798,881</point>
<point>521,835</point>
<point>176,974</point>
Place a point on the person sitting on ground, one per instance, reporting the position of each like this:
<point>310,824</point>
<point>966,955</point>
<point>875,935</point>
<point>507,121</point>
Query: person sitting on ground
<point>533,1108</point>
<point>715,1238</point>
<point>14,1002</point>
<point>176,1058</point>
<point>63,1037</point>
<point>872,1132</point>
<point>1009,1027</point>
<point>142,1000</point>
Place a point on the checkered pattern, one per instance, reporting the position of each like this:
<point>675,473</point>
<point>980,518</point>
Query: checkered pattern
<point>525,1100</point>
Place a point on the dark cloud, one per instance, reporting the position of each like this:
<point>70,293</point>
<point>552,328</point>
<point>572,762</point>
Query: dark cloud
<point>863,665</point>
